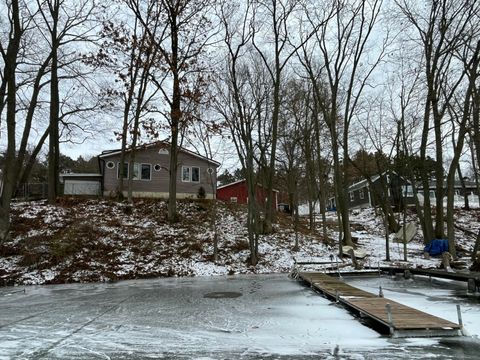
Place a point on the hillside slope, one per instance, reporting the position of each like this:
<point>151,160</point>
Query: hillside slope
<point>100,240</point>
<point>79,240</point>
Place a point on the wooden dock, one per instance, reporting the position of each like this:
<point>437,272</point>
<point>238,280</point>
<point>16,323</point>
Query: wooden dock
<point>399,320</point>
<point>471,277</point>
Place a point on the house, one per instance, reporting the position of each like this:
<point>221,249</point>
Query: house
<point>236,192</point>
<point>81,184</point>
<point>364,195</point>
<point>196,174</point>
<point>470,188</point>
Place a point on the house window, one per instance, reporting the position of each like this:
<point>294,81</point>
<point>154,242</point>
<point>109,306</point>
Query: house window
<point>110,165</point>
<point>157,167</point>
<point>146,172</point>
<point>136,171</point>
<point>352,195</point>
<point>362,194</point>
<point>140,171</point>
<point>190,174</point>
<point>195,174</point>
<point>233,199</point>
<point>185,174</point>
<point>210,170</point>
<point>125,171</point>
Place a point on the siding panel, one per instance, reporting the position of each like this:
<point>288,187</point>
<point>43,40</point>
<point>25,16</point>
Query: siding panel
<point>160,179</point>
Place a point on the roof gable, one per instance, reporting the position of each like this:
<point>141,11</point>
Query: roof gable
<point>364,183</point>
<point>163,147</point>
<point>239,182</point>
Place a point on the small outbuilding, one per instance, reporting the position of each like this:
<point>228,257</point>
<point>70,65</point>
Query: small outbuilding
<point>81,184</point>
<point>237,192</point>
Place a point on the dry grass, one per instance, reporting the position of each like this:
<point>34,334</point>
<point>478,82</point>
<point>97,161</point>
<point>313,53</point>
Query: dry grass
<point>90,240</point>
<point>239,245</point>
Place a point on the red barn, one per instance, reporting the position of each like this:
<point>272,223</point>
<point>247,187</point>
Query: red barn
<point>236,192</point>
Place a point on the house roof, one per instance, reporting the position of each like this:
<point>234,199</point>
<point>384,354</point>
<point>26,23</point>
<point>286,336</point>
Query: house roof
<point>231,184</point>
<point>161,144</point>
<point>238,182</point>
<point>362,183</point>
<point>457,184</point>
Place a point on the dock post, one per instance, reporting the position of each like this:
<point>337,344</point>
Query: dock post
<point>337,297</point>
<point>459,314</point>
<point>390,318</point>
<point>380,292</point>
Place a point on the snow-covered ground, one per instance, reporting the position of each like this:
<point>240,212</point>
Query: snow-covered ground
<point>101,240</point>
<point>260,317</point>
<point>242,313</point>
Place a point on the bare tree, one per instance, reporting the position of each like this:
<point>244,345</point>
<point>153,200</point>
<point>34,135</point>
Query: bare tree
<point>63,25</point>
<point>10,55</point>
<point>205,131</point>
<point>341,45</point>
<point>440,29</point>
<point>470,56</point>
<point>242,101</point>
<point>274,21</point>
<point>475,144</point>
<point>291,158</point>
<point>187,31</point>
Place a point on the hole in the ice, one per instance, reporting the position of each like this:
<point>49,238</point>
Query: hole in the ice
<point>222,295</point>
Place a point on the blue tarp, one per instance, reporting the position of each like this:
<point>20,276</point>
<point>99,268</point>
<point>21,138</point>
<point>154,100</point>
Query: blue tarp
<point>437,247</point>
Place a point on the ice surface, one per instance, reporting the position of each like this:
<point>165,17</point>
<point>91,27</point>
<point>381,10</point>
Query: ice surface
<point>170,318</point>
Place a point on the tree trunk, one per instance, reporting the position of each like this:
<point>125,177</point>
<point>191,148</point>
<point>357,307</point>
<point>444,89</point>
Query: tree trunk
<point>54,140</point>
<point>462,182</point>
<point>472,70</point>
<point>175,120</point>
<point>11,167</point>
<point>345,237</point>
<point>121,172</point>
<point>252,215</point>
<point>270,210</point>
<point>387,237</point>
<point>296,218</point>
<point>26,170</point>
<point>404,233</point>
<point>439,173</point>
<point>476,247</point>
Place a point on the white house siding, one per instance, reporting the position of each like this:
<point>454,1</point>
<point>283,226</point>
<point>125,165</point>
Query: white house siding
<point>81,187</point>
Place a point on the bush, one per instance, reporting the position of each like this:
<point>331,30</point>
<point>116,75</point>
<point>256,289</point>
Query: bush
<point>201,193</point>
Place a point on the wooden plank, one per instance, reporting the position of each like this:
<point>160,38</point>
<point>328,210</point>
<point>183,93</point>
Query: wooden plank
<point>458,276</point>
<point>406,321</point>
<point>404,317</point>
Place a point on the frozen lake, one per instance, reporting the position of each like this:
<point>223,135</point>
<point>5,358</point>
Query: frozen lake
<point>237,317</point>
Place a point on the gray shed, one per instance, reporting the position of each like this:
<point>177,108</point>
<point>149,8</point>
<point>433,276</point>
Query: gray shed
<point>81,184</point>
